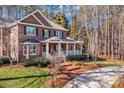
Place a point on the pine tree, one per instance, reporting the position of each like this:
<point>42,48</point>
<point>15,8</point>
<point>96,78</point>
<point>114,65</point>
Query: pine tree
<point>61,20</point>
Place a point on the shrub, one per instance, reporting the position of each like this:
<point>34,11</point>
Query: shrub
<point>39,62</point>
<point>76,57</point>
<point>4,60</point>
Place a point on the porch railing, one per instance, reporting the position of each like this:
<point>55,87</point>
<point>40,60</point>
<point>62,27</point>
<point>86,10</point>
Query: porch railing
<point>71,52</point>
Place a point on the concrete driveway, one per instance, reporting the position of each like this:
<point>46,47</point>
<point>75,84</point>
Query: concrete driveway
<point>99,78</point>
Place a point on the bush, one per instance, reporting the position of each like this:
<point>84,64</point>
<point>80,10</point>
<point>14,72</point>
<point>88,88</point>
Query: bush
<point>39,62</point>
<point>4,60</point>
<point>77,57</point>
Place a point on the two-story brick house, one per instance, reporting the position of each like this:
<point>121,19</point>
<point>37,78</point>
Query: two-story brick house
<point>35,35</point>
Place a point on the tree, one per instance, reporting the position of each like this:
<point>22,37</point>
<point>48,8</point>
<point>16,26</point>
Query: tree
<point>61,19</point>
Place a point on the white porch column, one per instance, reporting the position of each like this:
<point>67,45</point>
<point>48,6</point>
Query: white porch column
<point>74,49</point>
<point>81,48</point>
<point>28,52</point>
<point>47,49</point>
<point>67,49</point>
<point>59,49</point>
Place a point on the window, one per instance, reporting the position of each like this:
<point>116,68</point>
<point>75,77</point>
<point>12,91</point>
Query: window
<point>59,34</point>
<point>30,31</point>
<point>33,50</point>
<point>24,50</point>
<point>46,33</point>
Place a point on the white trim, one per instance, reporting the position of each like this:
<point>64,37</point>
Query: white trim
<point>59,34</point>
<point>34,16</point>
<point>29,50</point>
<point>27,16</point>
<point>60,42</point>
<point>19,21</point>
<point>23,51</point>
<point>35,49</point>
<point>47,49</point>
<point>30,34</point>
<point>30,43</point>
<point>18,46</point>
<point>37,19</point>
<point>39,26</point>
<point>67,49</point>
<point>43,16</point>
<point>53,38</point>
<point>29,24</point>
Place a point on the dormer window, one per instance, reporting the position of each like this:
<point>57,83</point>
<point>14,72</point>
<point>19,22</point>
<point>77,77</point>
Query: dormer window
<point>59,34</point>
<point>30,31</point>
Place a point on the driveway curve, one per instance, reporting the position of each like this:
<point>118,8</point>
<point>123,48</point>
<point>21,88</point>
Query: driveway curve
<point>99,78</point>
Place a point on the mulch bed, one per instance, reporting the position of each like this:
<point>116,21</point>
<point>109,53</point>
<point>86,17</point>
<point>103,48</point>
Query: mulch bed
<point>19,65</point>
<point>119,83</point>
<point>71,71</point>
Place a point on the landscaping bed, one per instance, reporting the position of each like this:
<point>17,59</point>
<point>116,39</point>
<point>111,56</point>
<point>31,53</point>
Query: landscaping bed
<point>119,83</point>
<point>71,71</point>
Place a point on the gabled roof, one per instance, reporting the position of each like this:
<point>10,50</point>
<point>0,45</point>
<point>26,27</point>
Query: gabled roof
<point>44,22</point>
<point>56,39</point>
<point>30,41</point>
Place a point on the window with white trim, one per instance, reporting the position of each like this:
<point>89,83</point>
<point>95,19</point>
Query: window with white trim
<point>46,33</point>
<point>24,50</point>
<point>31,31</point>
<point>59,34</point>
<point>33,50</point>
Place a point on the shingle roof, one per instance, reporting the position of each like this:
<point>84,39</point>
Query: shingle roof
<point>30,41</point>
<point>56,26</point>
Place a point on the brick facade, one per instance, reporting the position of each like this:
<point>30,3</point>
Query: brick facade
<point>17,35</point>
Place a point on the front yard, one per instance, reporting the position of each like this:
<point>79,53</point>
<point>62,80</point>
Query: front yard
<point>23,77</point>
<point>34,77</point>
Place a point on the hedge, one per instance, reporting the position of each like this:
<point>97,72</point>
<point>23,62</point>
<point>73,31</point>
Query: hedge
<point>39,62</point>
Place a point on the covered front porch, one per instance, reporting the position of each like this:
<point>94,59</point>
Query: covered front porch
<point>33,48</point>
<point>67,47</point>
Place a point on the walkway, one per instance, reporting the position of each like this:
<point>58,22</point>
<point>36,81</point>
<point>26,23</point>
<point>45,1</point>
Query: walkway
<point>99,78</point>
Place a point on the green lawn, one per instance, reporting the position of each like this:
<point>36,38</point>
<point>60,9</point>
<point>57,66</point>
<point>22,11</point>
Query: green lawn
<point>23,78</point>
<point>107,63</point>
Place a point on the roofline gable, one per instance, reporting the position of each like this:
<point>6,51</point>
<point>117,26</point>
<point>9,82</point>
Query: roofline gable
<point>35,17</point>
<point>26,16</point>
<point>33,14</point>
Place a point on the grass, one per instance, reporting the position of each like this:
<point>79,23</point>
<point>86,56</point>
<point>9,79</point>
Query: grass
<point>23,78</point>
